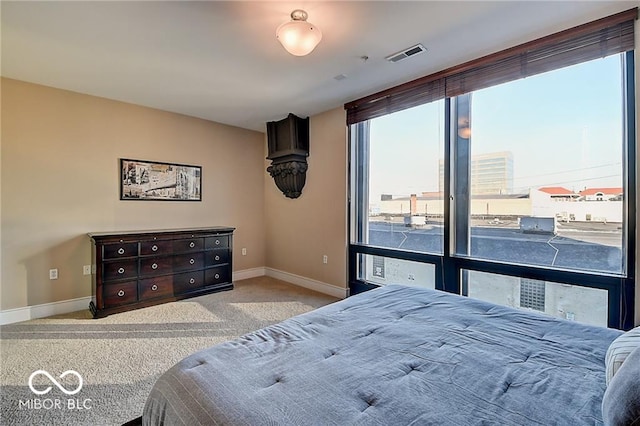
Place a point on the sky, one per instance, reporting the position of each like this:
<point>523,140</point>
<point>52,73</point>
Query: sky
<point>563,127</point>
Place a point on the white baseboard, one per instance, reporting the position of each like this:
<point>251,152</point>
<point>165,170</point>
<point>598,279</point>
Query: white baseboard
<point>245,274</point>
<point>15,315</point>
<point>309,283</point>
<point>27,313</point>
<point>11,316</point>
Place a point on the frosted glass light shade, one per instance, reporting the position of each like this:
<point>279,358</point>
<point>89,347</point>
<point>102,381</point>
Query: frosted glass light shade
<point>298,36</point>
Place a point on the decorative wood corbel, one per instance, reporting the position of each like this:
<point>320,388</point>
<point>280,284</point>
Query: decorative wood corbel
<point>288,141</point>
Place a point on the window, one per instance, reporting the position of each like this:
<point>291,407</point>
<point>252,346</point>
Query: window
<point>405,206</point>
<point>559,130</point>
<point>382,270</point>
<point>560,300</point>
<point>510,178</point>
<point>532,294</point>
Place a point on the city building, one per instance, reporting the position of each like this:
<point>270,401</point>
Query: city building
<point>558,193</point>
<point>601,194</point>
<point>491,173</point>
<point>557,202</point>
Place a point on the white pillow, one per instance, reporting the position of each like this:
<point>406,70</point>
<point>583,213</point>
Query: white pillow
<point>621,401</point>
<point>619,350</point>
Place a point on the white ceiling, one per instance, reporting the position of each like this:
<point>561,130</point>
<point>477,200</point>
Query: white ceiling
<point>221,61</point>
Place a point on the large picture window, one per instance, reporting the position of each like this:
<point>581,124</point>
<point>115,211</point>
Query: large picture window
<point>510,178</point>
<point>541,148</point>
<point>403,191</point>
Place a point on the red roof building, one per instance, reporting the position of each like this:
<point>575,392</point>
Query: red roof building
<point>557,191</point>
<point>601,194</point>
<point>604,191</point>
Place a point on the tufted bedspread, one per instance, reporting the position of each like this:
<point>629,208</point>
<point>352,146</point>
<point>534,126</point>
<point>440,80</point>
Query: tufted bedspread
<point>395,355</point>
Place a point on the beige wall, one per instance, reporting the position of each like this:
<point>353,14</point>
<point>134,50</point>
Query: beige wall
<point>60,175</point>
<point>302,230</point>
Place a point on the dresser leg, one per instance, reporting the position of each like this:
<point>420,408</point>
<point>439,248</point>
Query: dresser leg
<point>92,308</point>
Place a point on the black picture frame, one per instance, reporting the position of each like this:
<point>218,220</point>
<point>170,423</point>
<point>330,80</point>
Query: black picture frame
<point>143,180</point>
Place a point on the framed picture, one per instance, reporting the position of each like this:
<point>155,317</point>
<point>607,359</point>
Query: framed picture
<point>151,180</point>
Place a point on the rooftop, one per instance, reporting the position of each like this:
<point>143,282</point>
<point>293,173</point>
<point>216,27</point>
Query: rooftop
<point>556,190</point>
<point>606,191</point>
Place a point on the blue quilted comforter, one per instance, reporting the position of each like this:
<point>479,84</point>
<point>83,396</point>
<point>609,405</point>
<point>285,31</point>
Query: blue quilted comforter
<point>394,356</point>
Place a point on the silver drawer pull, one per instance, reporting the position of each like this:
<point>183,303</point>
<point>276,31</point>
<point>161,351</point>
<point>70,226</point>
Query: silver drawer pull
<point>217,242</point>
<point>192,261</point>
<point>192,244</point>
<point>217,276</point>
<point>217,257</point>
<point>192,281</point>
<point>120,250</point>
<point>121,270</point>
<point>154,266</point>
<point>154,248</point>
<point>121,293</point>
<point>154,287</point>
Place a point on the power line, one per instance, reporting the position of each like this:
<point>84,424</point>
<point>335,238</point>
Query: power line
<point>569,171</point>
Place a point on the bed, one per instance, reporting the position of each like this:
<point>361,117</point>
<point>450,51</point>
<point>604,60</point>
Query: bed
<point>395,355</point>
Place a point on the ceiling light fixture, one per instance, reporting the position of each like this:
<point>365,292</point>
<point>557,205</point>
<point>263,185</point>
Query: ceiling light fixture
<point>298,36</point>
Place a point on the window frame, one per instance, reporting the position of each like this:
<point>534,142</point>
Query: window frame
<point>449,267</point>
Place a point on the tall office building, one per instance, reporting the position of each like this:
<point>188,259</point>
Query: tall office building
<point>490,173</point>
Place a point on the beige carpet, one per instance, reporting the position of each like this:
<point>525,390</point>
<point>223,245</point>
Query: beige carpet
<point>120,357</point>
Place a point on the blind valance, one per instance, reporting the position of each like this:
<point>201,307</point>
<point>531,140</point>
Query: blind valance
<point>597,39</point>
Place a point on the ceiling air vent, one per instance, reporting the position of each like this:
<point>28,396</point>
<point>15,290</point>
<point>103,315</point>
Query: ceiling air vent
<point>410,51</point>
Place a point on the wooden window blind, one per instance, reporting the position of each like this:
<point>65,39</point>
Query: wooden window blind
<point>597,39</point>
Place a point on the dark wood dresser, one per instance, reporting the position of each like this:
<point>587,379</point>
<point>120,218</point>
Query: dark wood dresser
<point>135,269</point>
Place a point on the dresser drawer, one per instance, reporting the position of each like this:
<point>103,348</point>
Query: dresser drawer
<point>216,257</point>
<point>120,294</point>
<point>155,247</point>
<point>221,241</point>
<point>189,281</point>
<point>155,287</point>
<point>120,270</point>
<point>156,265</point>
<point>114,251</point>
<point>186,262</point>
<point>216,276</point>
<point>190,244</point>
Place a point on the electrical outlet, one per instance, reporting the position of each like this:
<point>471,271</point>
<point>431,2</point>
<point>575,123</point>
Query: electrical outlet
<point>86,270</point>
<point>325,259</point>
<point>244,251</point>
<point>53,274</point>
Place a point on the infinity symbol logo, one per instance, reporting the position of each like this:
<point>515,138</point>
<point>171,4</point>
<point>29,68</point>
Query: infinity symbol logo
<point>55,382</point>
